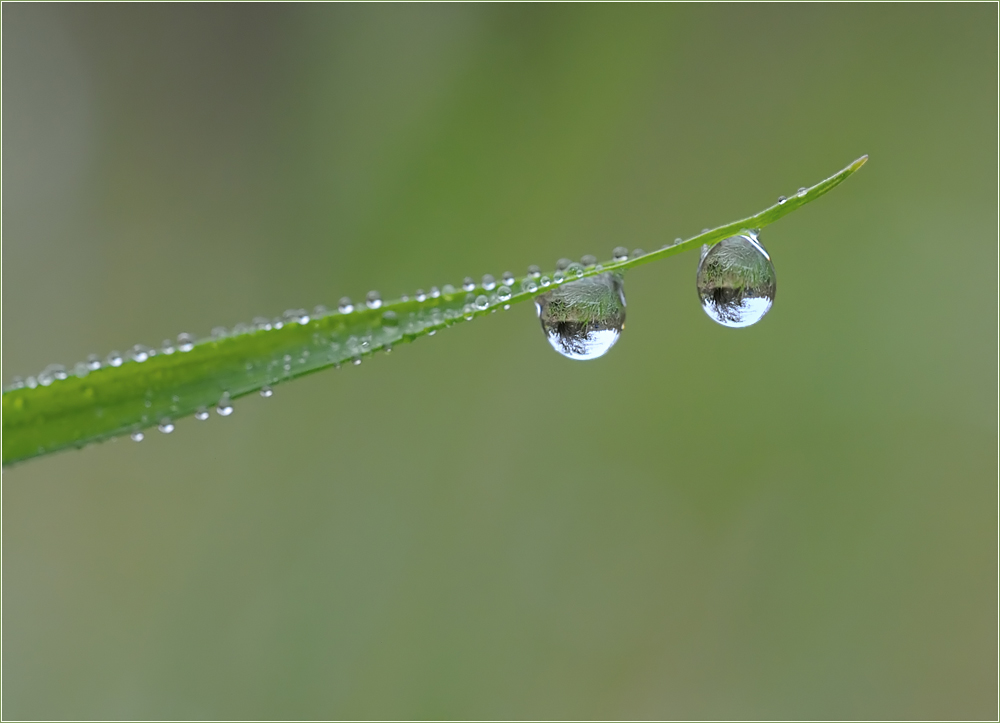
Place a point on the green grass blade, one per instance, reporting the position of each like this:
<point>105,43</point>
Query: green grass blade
<point>87,407</point>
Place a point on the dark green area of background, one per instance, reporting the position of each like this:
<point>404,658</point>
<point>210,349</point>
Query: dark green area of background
<point>797,520</point>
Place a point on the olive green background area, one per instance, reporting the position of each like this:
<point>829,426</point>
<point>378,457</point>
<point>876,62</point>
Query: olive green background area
<point>796,520</point>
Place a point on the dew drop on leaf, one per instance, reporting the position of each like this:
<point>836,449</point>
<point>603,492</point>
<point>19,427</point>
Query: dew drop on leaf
<point>583,319</point>
<point>507,278</point>
<point>201,415</point>
<point>620,253</point>
<point>736,281</point>
<point>225,406</point>
<point>266,392</point>
<point>166,426</point>
<point>137,436</point>
<point>373,300</point>
<point>185,342</point>
<point>488,282</point>
<point>468,284</point>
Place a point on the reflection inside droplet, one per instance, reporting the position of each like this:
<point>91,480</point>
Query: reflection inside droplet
<point>736,281</point>
<point>583,319</point>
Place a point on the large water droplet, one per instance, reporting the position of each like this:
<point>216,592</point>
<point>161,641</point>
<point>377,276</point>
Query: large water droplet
<point>583,319</point>
<point>589,260</point>
<point>482,302</point>
<point>468,284</point>
<point>346,306</point>
<point>562,264</point>
<point>488,282</point>
<point>166,426</point>
<point>736,281</point>
<point>225,406</point>
<point>503,293</point>
<point>534,271</point>
<point>507,278</point>
<point>373,300</point>
<point>185,342</point>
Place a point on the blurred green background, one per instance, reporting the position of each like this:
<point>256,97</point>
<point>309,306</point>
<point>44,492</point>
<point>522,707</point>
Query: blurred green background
<point>798,520</point>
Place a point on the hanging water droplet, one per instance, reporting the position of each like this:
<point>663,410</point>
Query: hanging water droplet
<point>137,436</point>
<point>420,295</point>
<point>356,361</point>
<point>503,293</point>
<point>225,406</point>
<point>114,359</point>
<point>468,284</point>
<point>529,285</point>
<point>166,426</point>
<point>583,319</point>
<point>266,392</point>
<point>185,342</point>
<point>139,353</point>
<point>781,200</point>
<point>93,362</point>
<point>588,260</point>
<point>507,278</point>
<point>534,271</point>
<point>201,415</point>
<point>488,282</point>
<point>482,302</point>
<point>736,281</point>
<point>620,253</point>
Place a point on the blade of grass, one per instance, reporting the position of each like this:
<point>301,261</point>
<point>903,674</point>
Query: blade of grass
<point>92,406</point>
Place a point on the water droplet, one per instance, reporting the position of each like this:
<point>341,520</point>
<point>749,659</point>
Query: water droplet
<point>736,282</point>
<point>225,406</point>
<point>435,292</point>
<point>52,373</point>
<point>588,260</point>
<point>93,362</point>
<point>534,272</point>
<point>468,311</point>
<point>506,307</point>
<point>166,426</point>
<point>185,342</point>
<point>678,240</point>
<point>356,361</point>
<point>488,282</point>
<point>139,353</point>
<point>468,284</point>
<point>482,302</point>
<point>167,347</point>
<point>319,310</point>
<point>201,415</point>
<point>373,300</point>
<point>114,359</point>
<point>508,278</point>
<point>266,392</point>
<point>562,264</point>
<point>781,200</point>
<point>802,191</point>
<point>705,230</point>
<point>583,319</point>
<point>16,383</point>
<point>277,323</point>
<point>261,324</point>
<point>574,270</point>
<point>390,318</point>
<point>448,290</point>
<point>31,382</point>
<point>219,332</point>
<point>137,436</point>
<point>345,306</point>
<point>545,281</point>
<point>558,277</point>
<point>637,253</point>
<point>81,369</point>
<point>620,253</point>
<point>420,295</point>
<point>529,285</point>
<point>241,329</point>
<point>503,293</point>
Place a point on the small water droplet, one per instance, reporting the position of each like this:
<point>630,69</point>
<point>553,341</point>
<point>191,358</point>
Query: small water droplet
<point>545,281</point>
<point>52,373</point>
<point>148,403</point>
<point>468,284</point>
<point>534,272</point>
<point>139,353</point>
<point>93,362</point>
<point>225,406</point>
<point>562,264</point>
<point>506,307</point>
<point>736,282</point>
<point>705,230</point>
<point>508,278</point>
<point>137,436</point>
<point>241,329</point>
<point>482,302</point>
<point>81,370</point>
<point>420,295</point>
<point>488,282</point>
<point>781,200</point>
<point>588,260</point>
<point>637,253</point>
<point>346,306</point>
<point>503,293</point>
<point>574,270</point>
<point>435,292</point>
<point>802,191</point>
<point>529,285</point>
<point>390,318</point>
<point>373,300</point>
<point>185,342</point>
<point>468,311</point>
<point>356,361</point>
<point>219,332</point>
<point>319,310</point>
<point>558,277</point>
<point>114,359</point>
<point>31,382</point>
<point>620,253</point>
<point>583,319</point>
<point>678,240</point>
<point>266,392</point>
<point>16,383</point>
<point>448,290</point>
<point>201,415</point>
<point>260,323</point>
<point>166,426</point>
